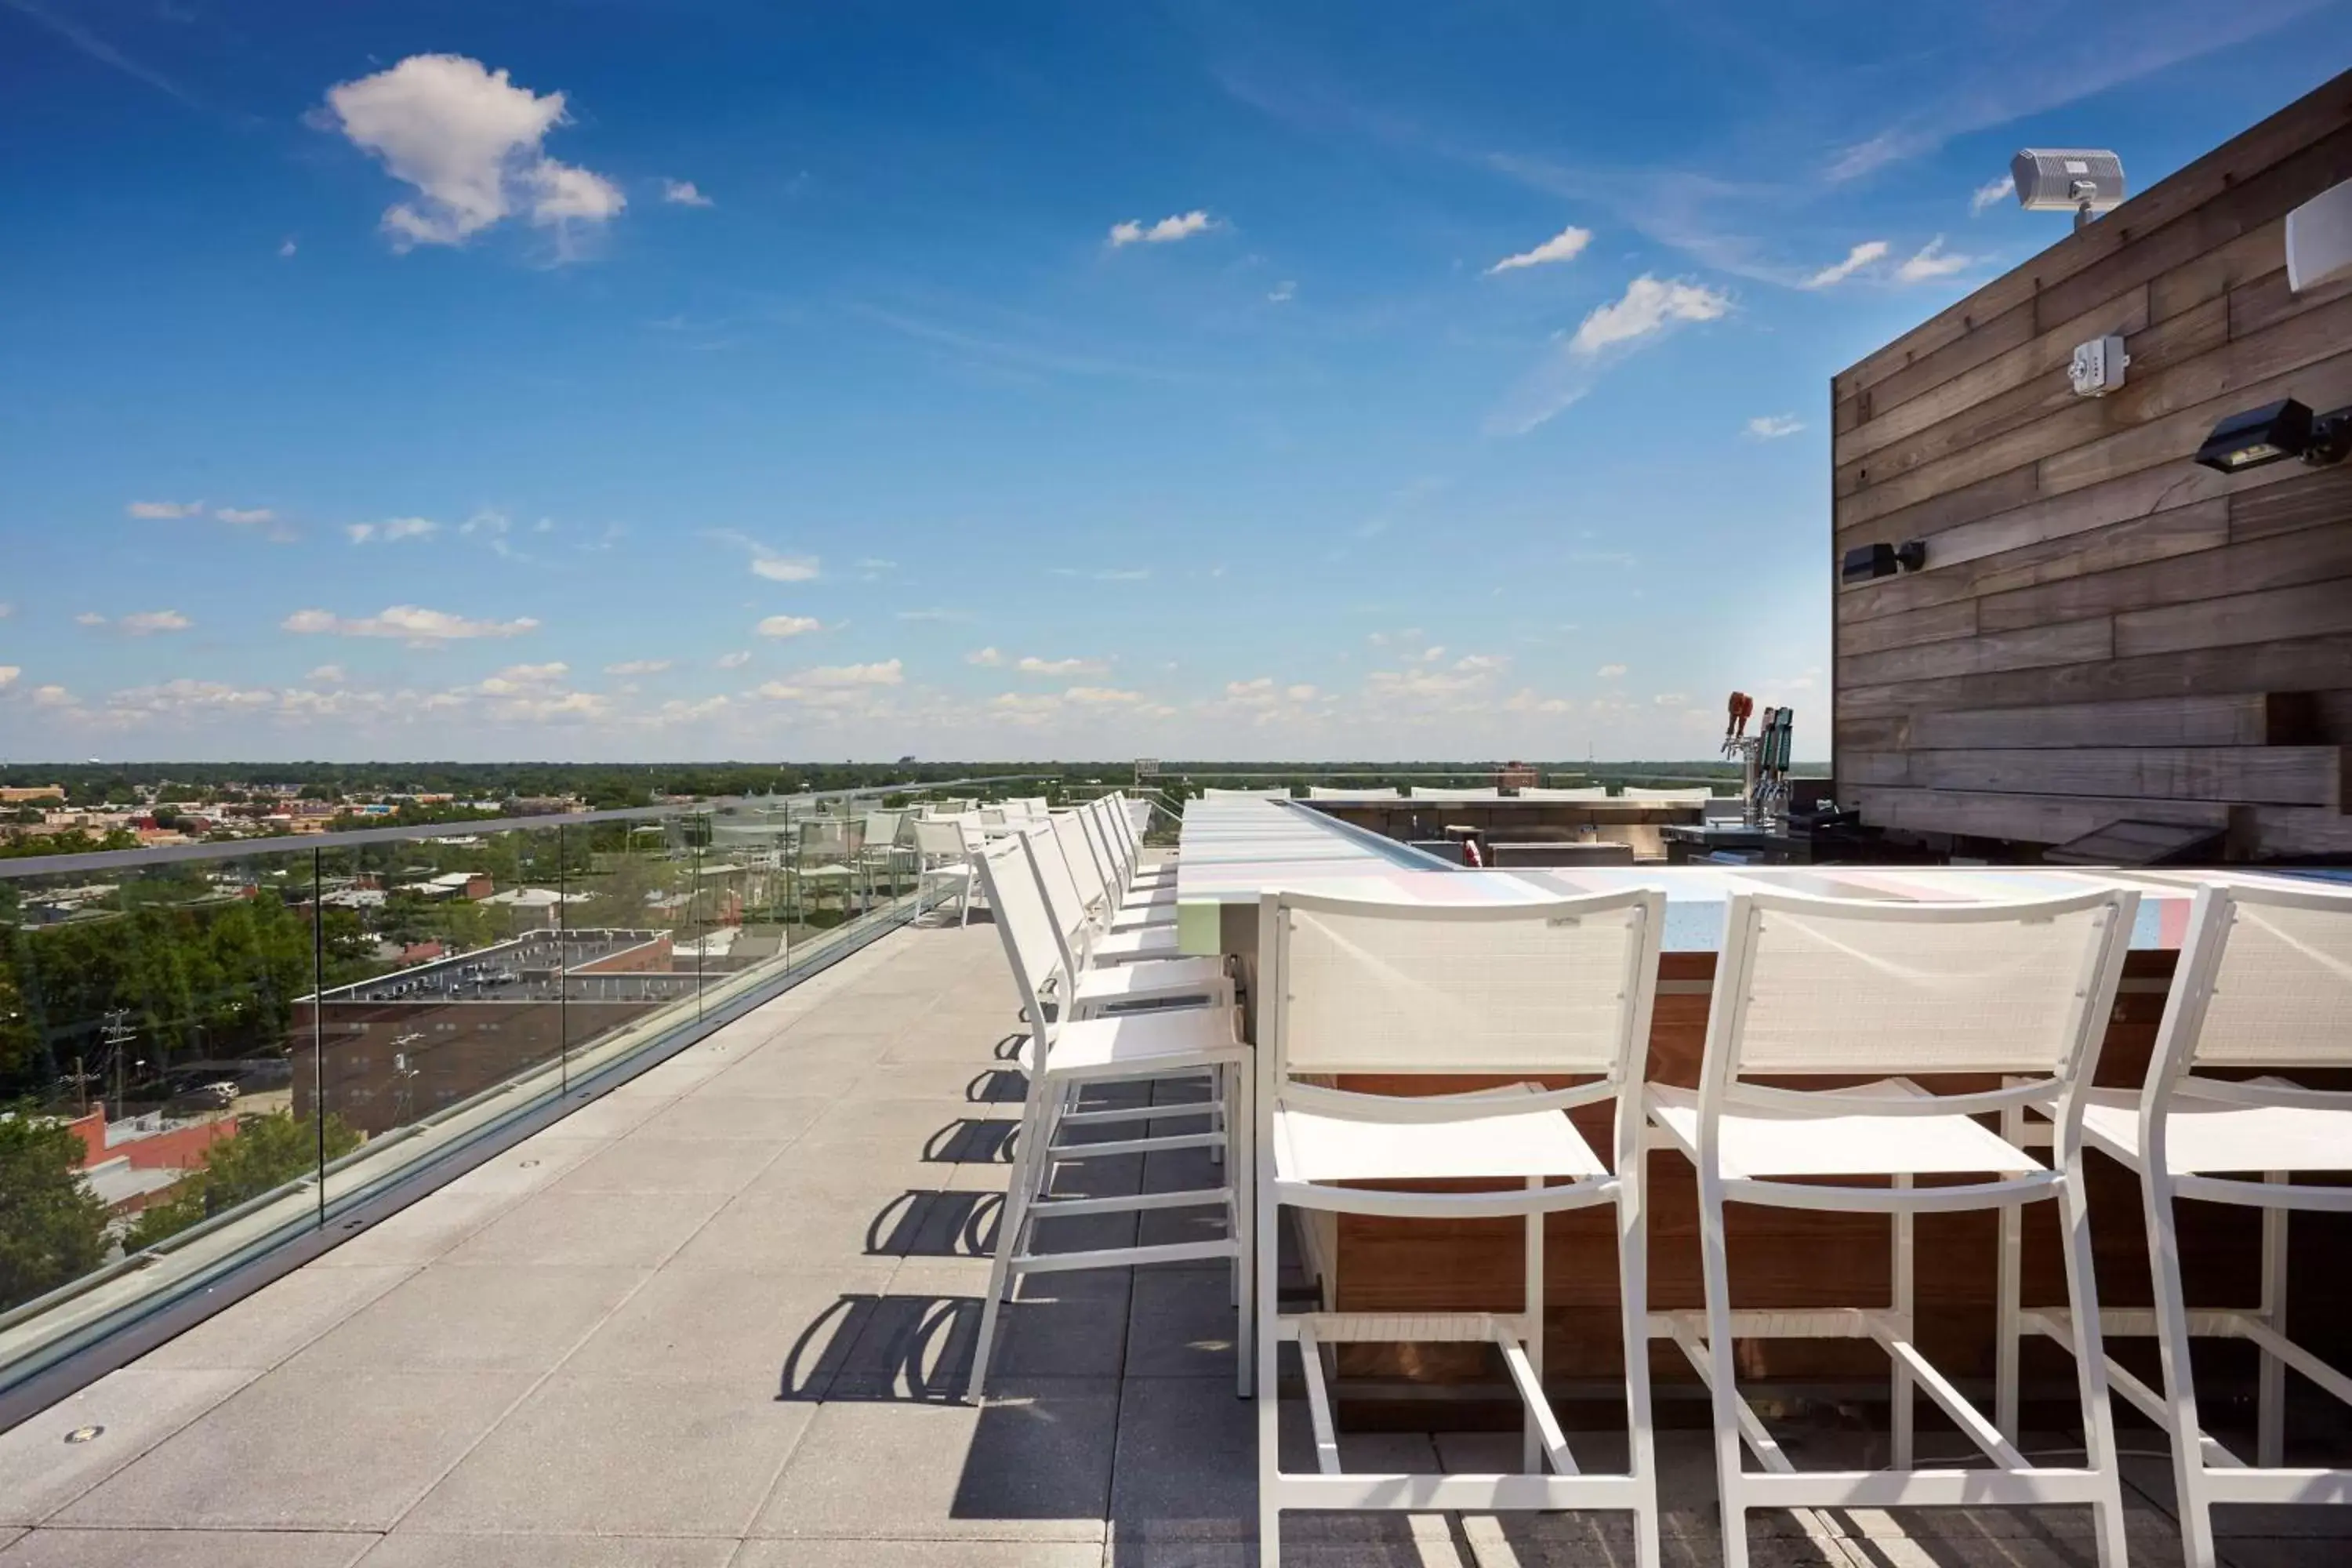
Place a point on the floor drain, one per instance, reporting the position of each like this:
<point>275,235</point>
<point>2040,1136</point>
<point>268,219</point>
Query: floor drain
<point>84,1434</point>
<point>525,1164</point>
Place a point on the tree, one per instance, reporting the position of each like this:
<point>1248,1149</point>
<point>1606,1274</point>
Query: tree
<point>266,1152</point>
<point>52,1228</point>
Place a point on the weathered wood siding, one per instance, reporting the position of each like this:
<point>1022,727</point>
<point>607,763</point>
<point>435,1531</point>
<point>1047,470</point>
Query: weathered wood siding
<point>2103,629</point>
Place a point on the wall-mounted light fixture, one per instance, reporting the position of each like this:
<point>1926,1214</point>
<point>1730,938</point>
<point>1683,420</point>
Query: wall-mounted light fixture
<point>2275,432</point>
<point>2083,180</point>
<point>1868,563</point>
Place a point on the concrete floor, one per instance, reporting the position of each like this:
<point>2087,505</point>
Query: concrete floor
<point>719,1318</point>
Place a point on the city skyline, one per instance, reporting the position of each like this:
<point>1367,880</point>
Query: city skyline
<point>409,382</point>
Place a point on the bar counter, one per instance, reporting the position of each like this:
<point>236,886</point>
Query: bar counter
<point>1235,850</point>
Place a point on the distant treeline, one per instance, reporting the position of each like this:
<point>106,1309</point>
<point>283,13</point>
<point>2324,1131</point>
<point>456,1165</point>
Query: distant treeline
<point>610,785</point>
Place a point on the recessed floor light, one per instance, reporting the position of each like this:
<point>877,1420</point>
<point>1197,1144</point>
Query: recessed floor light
<point>85,1433</point>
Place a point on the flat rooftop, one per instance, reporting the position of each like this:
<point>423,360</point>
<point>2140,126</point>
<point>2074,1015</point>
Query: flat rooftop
<point>719,1318</point>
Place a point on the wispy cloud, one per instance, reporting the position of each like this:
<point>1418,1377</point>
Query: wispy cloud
<point>638,667</point>
<point>768,563</point>
<point>945,617</point>
<point>1992,194</point>
<point>1167,231</point>
<point>788,626</point>
<point>735,660</point>
<point>1863,255</point>
<point>2051,56</point>
<point>1649,308</point>
<point>163,510</point>
<point>684,194</point>
<point>986,657</point>
<point>394,530</point>
<point>411,624</point>
<point>1282,293</point>
<point>1566,246</point>
<point>138,623</point>
<point>104,53</point>
<point>1932,261</point>
<point>244,517</point>
<point>1033,665</point>
<point>1774,427</point>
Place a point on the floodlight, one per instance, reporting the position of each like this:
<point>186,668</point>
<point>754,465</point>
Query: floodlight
<point>2275,432</point>
<point>2080,180</point>
<point>1868,563</point>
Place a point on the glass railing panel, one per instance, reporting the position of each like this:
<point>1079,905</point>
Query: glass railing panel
<point>440,988</point>
<point>633,933</point>
<point>150,1025</point>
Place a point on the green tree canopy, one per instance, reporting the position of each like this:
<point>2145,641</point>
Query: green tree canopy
<point>52,1228</point>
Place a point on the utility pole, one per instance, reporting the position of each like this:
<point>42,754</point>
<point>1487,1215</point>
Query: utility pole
<point>119,1035</point>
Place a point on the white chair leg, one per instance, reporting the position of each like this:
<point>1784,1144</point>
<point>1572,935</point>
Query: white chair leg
<point>2090,1366</point>
<point>1029,1152</point>
<point>2007,1334</point>
<point>1899,1383</point>
<point>2270,1407</point>
<point>2191,1504</point>
<point>1714,1266</point>
<point>1633,1297</point>
<point>1266,1217</point>
<point>1239,1169</point>
<point>1531,1450</point>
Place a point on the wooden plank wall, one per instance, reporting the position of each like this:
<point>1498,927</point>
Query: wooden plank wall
<point>2103,629</point>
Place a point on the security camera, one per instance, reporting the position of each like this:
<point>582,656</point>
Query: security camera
<point>2080,180</point>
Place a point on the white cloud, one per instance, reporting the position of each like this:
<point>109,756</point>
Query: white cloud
<point>1282,293</point>
<point>1101,696</point>
<point>52,696</point>
<point>9,674</point>
<point>1992,194</point>
<point>771,563</point>
<point>7,609</point>
<point>470,142</point>
<point>1647,306</point>
<point>1565,246</point>
<point>735,660</point>
<point>244,517</point>
<point>1860,257</point>
<point>1183,225</point>
<point>144,623</point>
<point>412,624</point>
<point>682,193</point>
<point>986,657</point>
<point>394,530</point>
<point>1931,261</point>
<point>89,618</point>
<point>1301,693</point>
<point>285,246</point>
<point>1774,427</point>
<point>638,667</point>
<point>517,677</point>
<point>157,510</point>
<point>1611,671</point>
<point>788,626</point>
<point>1672,699</point>
<point>326,675</point>
<point>831,684</point>
<point>1035,666</point>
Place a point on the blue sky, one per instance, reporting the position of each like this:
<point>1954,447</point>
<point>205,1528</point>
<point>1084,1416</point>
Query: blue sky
<point>613,380</point>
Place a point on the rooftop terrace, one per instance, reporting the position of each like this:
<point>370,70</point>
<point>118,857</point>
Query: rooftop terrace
<point>720,1316</point>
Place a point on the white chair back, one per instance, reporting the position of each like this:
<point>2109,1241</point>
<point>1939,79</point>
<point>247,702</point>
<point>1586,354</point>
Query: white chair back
<point>1561,986</point>
<point>1847,986</point>
<point>882,828</point>
<point>938,839</point>
<point>825,835</point>
<point>1109,845</point>
<point>1030,944</point>
<point>1079,852</point>
<point>2265,981</point>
